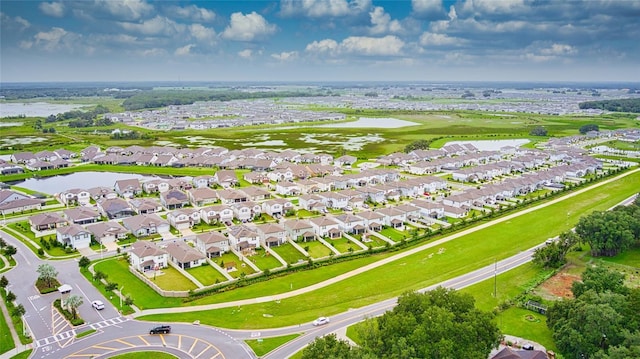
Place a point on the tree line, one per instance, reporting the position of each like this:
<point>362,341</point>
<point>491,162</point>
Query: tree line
<point>618,105</point>
<point>156,99</point>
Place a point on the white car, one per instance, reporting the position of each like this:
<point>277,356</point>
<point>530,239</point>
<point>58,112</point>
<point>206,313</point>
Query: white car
<point>97,304</point>
<point>321,321</point>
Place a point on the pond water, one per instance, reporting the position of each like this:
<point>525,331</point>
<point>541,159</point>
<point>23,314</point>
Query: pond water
<point>35,109</point>
<point>493,145</point>
<point>83,180</point>
<point>372,122</point>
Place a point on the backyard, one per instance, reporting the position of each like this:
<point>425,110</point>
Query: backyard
<point>206,274</point>
<point>289,253</point>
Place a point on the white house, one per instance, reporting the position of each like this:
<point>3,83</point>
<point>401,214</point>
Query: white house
<point>145,255</point>
<point>212,244</point>
<point>74,235</point>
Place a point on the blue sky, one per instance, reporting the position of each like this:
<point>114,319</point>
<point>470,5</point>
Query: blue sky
<point>320,40</point>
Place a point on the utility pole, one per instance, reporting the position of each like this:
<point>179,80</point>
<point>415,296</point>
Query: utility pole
<point>495,279</point>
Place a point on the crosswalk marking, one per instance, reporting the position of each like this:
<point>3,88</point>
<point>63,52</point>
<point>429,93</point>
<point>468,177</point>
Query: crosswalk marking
<point>69,334</point>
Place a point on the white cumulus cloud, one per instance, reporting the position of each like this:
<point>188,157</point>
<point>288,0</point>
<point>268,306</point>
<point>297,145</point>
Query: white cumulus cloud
<point>202,33</point>
<point>323,8</point>
<point>248,27</point>
<point>381,22</point>
<point>389,45</point>
<point>126,10</point>
<point>427,6</point>
<point>286,56</point>
<point>158,25</point>
<point>184,50</point>
<point>55,39</point>
<point>193,13</point>
<point>55,9</point>
<point>433,39</point>
<point>246,53</point>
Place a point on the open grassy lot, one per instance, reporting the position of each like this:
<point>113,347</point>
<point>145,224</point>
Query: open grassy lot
<point>241,267</point>
<point>144,297</point>
<point>372,241</point>
<point>206,274</point>
<point>316,249</point>
<point>171,279</point>
<point>265,261</point>
<point>263,346</point>
<point>419,270</point>
<point>289,253</point>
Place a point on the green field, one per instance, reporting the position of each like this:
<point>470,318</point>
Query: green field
<point>171,279</point>
<point>425,268</point>
<point>264,261</point>
<point>263,346</point>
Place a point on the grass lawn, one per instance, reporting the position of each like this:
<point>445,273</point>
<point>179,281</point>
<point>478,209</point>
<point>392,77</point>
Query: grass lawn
<point>144,297</point>
<point>6,340</point>
<point>462,255</point>
<point>526,324</point>
<point>173,280</point>
<point>240,265</point>
<point>317,249</point>
<point>373,241</point>
<point>394,234</point>
<point>145,355</point>
<point>343,244</point>
<point>24,355</point>
<point>109,295</point>
<point>289,253</point>
<point>263,346</point>
<point>206,274</point>
<point>264,260</point>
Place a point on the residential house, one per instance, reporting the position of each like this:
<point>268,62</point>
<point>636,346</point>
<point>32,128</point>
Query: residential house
<point>183,255</point>
<point>246,211</point>
<point>277,207</point>
<point>173,199</point>
<point>334,200</point>
<point>115,208</point>
<point>128,188</point>
<point>345,161</point>
<point>299,230</point>
<point>429,209</point>
<point>81,215</point>
<point>202,196</point>
<point>156,186</point>
<point>75,196</point>
<point>326,227</point>
<point>217,214</point>
<point>144,225</point>
<point>212,244</point>
<point>244,239</point>
<point>14,202</point>
<point>102,193</point>
<point>145,205</point>
<point>203,181</point>
<point>271,234</point>
<point>184,218</point>
<point>74,235</point>
<point>286,188</point>
<point>110,231</point>
<point>46,221</point>
<point>231,196</point>
<point>145,256</point>
<point>312,202</point>
<point>351,224</point>
<point>256,193</point>
<point>226,178</point>
<point>392,217</point>
<point>372,220</point>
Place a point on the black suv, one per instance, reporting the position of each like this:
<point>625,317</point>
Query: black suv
<point>163,329</point>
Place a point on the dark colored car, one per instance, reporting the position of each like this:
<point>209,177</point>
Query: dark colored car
<point>162,329</point>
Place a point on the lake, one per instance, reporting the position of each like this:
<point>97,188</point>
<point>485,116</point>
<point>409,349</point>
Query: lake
<point>35,109</point>
<point>493,145</point>
<point>83,180</point>
<point>372,122</point>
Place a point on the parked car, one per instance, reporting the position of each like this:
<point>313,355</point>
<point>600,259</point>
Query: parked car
<point>162,329</point>
<point>527,346</point>
<point>97,304</point>
<point>321,321</point>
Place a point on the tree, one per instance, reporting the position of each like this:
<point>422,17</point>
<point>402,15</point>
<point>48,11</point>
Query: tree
<point>99,276</point>
<point>538,131</point>
<point>610,232</point>
<point>10,251</point>
<point>47,273</point>
<point>11,296</point>
<point>600,280</point>
<point>18,311</point>
<point>111,286</point>
<point>441,323</point>
<point>4,282</point>
<point>588,128</point>
<point>554,254</point>
<point>417,145</point>
<point>3,243</point>
<point>328,346</point>
<point>72,303</point>
<point>84,262</point>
